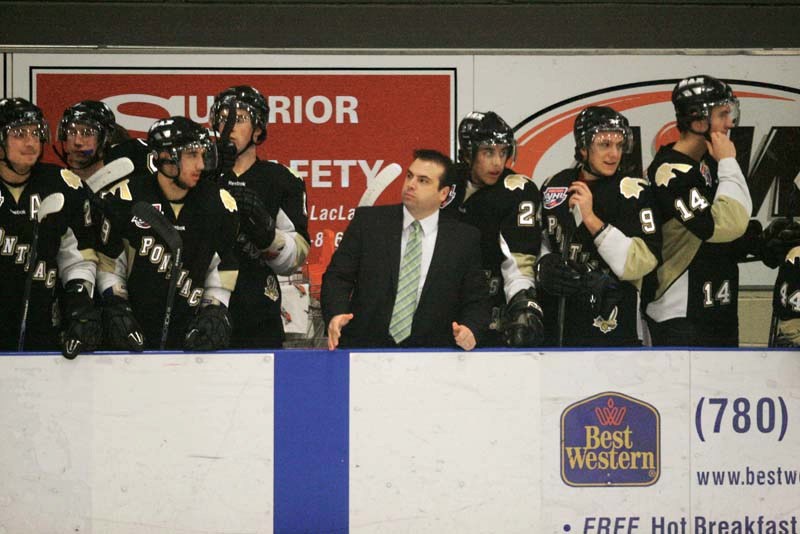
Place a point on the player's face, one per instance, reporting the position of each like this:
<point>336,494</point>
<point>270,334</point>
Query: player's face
<point>192,164</point>
<point>80,144</point>
<point>722,118</point>
<point>421,193</point>
<point>605,152</point>
<point>23,146</point>
<point>243,131</point>
<point>488,163</point>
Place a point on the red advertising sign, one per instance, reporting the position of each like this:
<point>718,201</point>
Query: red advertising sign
<point>348,133</point>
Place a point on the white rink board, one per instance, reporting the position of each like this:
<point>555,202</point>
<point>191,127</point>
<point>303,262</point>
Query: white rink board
<point>141,444</point>
<point>437,442</point>
<point>444,442</point>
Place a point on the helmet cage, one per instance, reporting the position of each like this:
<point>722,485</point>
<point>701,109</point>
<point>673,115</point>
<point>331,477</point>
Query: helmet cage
<point>698,111</point>
<point>589,135</point>
<point>206,145</point>
<point>30,119</point>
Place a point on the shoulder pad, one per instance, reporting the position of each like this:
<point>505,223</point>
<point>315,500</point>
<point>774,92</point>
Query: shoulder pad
<point>71,179</point>
<point>516,181</point>
<point>666,172</point>
<point>632,187</point>
<point>227,200</point>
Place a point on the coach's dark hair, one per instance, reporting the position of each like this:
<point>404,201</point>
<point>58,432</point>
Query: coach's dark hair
<point>448,178</point>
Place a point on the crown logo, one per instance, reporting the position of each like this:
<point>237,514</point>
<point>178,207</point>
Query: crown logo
<point>610,415</point>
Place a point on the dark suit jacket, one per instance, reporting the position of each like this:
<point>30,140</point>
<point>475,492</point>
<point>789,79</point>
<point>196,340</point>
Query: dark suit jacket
<point>362,279</point>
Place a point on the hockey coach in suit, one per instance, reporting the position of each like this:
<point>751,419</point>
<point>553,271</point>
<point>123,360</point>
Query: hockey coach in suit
<point>405,277</point>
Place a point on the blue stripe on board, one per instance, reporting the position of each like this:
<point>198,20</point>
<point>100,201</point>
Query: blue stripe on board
<point>311,480</point>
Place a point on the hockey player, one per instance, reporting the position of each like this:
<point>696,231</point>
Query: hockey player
<point>273,235</point>
<point>136,260</point>
<point>65,248</point>
<point>502,205</point>
<point>781,248</point>
<point>85,132</point>
<point>610,251</point>
<point>705,205</point>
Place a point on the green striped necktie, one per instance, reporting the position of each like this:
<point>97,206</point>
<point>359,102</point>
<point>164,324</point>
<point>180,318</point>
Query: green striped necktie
<point>407,286</point>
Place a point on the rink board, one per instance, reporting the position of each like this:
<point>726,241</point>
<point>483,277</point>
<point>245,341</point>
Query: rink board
<point>315,441</point>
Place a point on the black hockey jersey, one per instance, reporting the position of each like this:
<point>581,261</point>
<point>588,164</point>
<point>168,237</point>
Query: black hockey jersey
<point>704,207</point>
<point>65,252</point>
<point>136,260</point>
<point>256,303</point>
<point>626,250</point>
<point>505,214</point>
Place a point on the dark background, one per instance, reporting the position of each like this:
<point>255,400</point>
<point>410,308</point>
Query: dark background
<point>402,25</point>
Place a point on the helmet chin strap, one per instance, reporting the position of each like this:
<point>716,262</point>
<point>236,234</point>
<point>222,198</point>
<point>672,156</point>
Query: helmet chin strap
<point>586,166</point>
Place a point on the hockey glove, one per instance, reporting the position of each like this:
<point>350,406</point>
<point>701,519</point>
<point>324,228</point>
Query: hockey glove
<point>556,276</point>
<point>779,237</point>
<point>749,244</point>
<point>226,152</point>
<point>521,321</point>
<point>210,329</point>
<point>255,220</point>
<point>84,329</point>
<point>122,330</point>
<point>604,291</point>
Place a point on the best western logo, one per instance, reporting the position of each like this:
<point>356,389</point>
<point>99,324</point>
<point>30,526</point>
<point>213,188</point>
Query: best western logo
<point>610,439</point>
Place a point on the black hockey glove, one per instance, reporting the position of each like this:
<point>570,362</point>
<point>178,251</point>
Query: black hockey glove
<point>122,330</point>
<point>210,329</point>
<point>556,276</point>
<point>779,237</point>
<point>83,327</point>
<point>255,220</point>
<point>749,244</point>
<point>226,154</point>
<point>603,289</point>
<point>521,321</point>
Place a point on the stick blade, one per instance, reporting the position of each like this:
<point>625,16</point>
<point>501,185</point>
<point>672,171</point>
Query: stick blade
<point>49,205</point>
<point>160,224</point>
<point>111,173</point>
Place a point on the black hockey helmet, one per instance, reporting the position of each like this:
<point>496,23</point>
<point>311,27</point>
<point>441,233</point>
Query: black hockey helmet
<point>242,97</point>
<point>595,119</point>
<point>16,112</point>
<point>695,97</point>
<point>479,128</point>
<point>176,135</point>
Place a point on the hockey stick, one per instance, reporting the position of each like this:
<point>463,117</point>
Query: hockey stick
<point>379,183</point>
<point>109,174</point>
<point>225,136</point>
<point>51,204</point>
<point>568,230</point>
<point>159,223</point>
